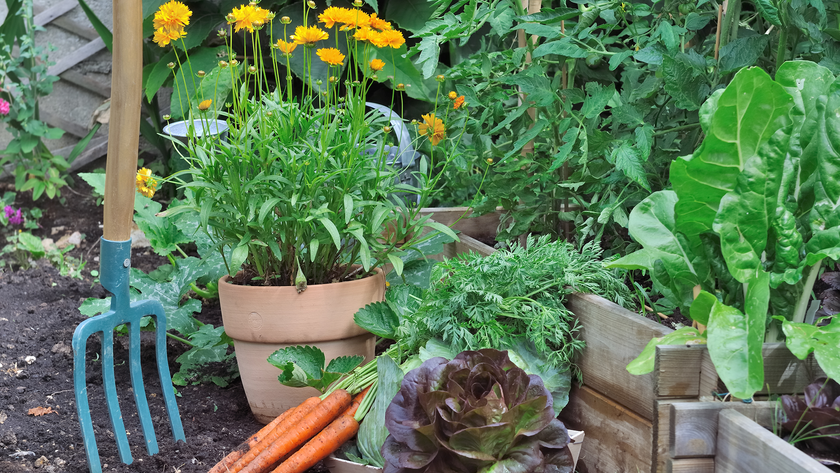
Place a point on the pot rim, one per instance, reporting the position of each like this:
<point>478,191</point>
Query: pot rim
<point>377,273</point>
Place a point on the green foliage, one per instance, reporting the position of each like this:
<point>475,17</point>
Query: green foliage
<point>304,366</point>
<point>822,341</point>
<point>744,221</point>
<point>499,300</point>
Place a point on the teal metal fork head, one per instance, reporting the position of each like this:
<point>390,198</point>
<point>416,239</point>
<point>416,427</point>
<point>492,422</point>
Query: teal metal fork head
<point>115,261</point>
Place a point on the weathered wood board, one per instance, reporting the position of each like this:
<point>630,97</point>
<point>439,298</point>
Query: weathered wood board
<point>746,447</point>
<point>693,426</point>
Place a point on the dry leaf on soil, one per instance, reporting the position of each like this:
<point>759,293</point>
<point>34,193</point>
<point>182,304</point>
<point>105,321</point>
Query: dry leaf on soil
<point>39,411</point>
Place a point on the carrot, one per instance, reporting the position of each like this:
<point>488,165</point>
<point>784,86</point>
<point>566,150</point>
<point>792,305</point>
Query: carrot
<point>299,413</point>
<point>326,442</point>
<point>224,465</point>
<point>324,413</point>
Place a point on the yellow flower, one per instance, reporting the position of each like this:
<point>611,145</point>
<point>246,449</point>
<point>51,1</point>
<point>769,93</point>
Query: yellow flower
<point>309,35</point>
<point>284,47</point>
<point>172,16</point>
<point>377,65</point>
<point>453,95</point>
<point>458,102</point>
<point>247,17</point>
<point>145,183</point>
<point>333,15</point>
<point>205,104</point>
<point>164,36</point>
<point>331,56</point>
<point>392,38</point>
<point>433,128</point>
<point>363,33</point>
<point>379,23</point>
<point>356,19</point>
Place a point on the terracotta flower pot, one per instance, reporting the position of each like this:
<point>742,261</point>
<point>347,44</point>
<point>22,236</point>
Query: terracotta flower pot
<point>261,320</point>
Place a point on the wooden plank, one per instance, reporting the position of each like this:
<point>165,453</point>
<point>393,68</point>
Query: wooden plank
<point>53,12</point>
<point>65,23</point>
<point>691,465</point>
<point>483,227</point>
<point>614,337</point>
<point>467,244</point>
<point>662,434</point>
<point>77,56</point>
<point>677,370</point>
<point>744,446</point>
<point>616,438</point>
<point>87,83</point>
<point>708,378</point>
<point>693,428</point>
<point>70,127</point>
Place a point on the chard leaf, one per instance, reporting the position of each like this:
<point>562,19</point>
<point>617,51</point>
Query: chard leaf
<point>802,339</point>
<point>735,339</point>
<point>645,362</point>
<point>749,112</point>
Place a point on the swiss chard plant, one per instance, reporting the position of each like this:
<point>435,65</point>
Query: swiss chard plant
<point>754,213</point>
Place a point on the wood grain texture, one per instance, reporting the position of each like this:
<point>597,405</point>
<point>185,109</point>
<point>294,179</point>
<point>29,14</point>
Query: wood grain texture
<point>483,227</point>
<point>614,337</point>
<point>677,370</point>
<point>693,426</point>
<point>662,434</point>
<point>745,447</point>
<point>784,373</point>
<point>42,17</point>
<point>91,85</point>
<point>617,440</point>
<point>691,465</point>
<point>124,128</point>
<point>467,245</point>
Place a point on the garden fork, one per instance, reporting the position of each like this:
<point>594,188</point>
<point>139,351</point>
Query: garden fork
<point>115,256</point>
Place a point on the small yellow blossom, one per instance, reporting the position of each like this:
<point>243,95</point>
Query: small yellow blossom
<point>248,17</point>
<point>363,33</point>
<point>331,56</point>
<point>333,15</point>
<point>356,19</point>
<point>145,183</point>
<point>376,64</point>
<point>309,35</point>
<point>285,47</point>
<point>172,16</point>
<point>392,38</point>
<point>433,128</point>
<point>453,95</point>
<point>205,104</point>
<point>379,23</point>
<point>458,102</point>
<point>164,36</point>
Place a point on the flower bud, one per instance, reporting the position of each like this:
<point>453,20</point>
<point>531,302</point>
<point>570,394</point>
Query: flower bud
<point>230,18</point>
<point>374,77</point>
<point>324,93</point>
<point>223,64</point>
<point>252,4</point>
<point>453,95</point>
<point>167,117</point>
<point>440,78</point>
<point>414,121</point>
<point>269,113</point>
<point>222,33</point>
<point>489,160</point>
<point>201,73</point>
<point>355,82</point>
<point>357,3</point>
<point>332,80</point>
<point>270,16</point>
<point>171,65</point>
<point>234,62</point>
<point>386,129</point>
<point>257,24</point>
<point>285,20</point>
<point>400,86</point>
<point>252,69</point>
<point>319,82</point>
<point>311,4</point>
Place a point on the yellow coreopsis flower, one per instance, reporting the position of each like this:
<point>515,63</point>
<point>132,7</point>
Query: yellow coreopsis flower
<point>433,128</point>
<point>164,36</point>
<point>172,16</point>
<point>379,23</point>
<point>285,47</point>
<point>145,183</point>
<point>247,17</point>
<point>333,15</point>
<point>356,19</point>
<point>309,35</point>
<point>363,33</point>
<point>205,104</point>
<point>458,102</point>
<point>331,56</point>
<point>376,64</point>
<point>392,38</point>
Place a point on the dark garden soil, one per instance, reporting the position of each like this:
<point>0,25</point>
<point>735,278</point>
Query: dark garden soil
<point>38,314</point>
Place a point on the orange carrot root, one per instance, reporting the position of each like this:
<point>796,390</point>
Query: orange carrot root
<point>321,416</point>
<point>224,465</point>
<point>322,445</point>
<point>288,424</point>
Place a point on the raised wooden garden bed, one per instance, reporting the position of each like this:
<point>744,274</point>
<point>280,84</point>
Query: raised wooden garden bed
<point>627,417</point>
<point>730,437</point>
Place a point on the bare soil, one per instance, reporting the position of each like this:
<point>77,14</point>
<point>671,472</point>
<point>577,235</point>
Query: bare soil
<point>38,314</point>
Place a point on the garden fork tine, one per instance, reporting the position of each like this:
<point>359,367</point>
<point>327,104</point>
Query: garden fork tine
<point>115,256</point>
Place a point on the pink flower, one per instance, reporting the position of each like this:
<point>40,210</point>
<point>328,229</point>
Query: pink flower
<point>4,107</point>
<point>15,218</point>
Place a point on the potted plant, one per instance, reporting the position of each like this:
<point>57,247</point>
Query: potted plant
<point>300,197</point>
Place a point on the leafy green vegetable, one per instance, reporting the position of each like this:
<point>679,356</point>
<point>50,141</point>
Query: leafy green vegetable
<point>492,302</point>
<point>372,431</point>
<point>307,366</point>
<point>478,412</point>
<point>803,339</point>
<point>645,362</point>
<point>752,209</point>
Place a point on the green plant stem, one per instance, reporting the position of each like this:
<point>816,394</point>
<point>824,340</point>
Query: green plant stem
<point>182,340</point>
<point>690,126</point>
<point>782,50</point>
<point>805,297</point>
